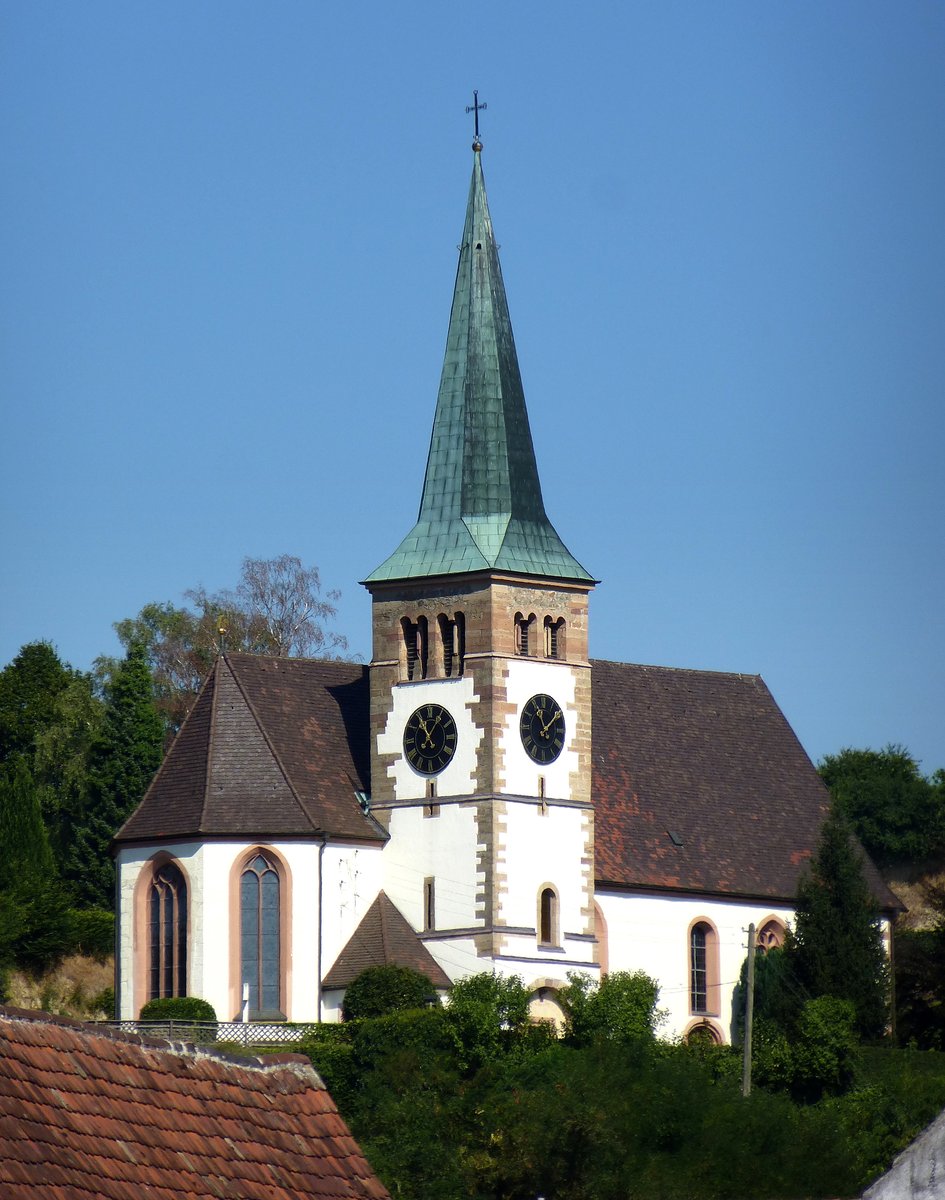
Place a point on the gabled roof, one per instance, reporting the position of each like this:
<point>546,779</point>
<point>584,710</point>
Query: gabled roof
<point>86,1113</point>
<point>384,937</point>
<point>272,746</point>
<point>481,507</point>
<point>700,784</point>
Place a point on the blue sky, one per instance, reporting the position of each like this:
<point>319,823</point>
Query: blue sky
<point>229,238</point>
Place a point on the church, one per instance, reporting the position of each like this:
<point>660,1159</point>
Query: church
<point>482,796</point>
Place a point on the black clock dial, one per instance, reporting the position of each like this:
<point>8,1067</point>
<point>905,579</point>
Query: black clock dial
<point>542,729</point>
<point>430,739</point>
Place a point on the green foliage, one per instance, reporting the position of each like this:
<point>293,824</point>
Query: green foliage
<point>895,811</point>
<point>778,997</point>
<point>94,932</point>
<point>26,852</point>
<point>836,947</point>
<point>178,1008</point>
<point>378,991</point>
<point>621,1008</point>
<point>122,762</point>
<point>29,687</point>
<point>277,607</point>
<point>489,1014</point>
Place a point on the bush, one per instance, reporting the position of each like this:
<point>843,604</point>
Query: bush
<point>622,1008</point>
<point>94,932</point>
<point>378,991</point>
<point>178,1008</point>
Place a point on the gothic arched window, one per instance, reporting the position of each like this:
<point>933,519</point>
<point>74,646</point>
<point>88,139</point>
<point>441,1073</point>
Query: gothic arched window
<point>703,968</point>
<point>167,933</point>
<point>260,936</point>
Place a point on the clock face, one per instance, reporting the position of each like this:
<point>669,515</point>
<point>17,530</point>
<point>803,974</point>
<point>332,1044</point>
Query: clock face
<point>542,729</point>
<point>429,739</point>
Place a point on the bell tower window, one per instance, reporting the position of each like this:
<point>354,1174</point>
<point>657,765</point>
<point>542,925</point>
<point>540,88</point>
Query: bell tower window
<point>554,637</point>
<point>453,643</point>
<point>415,644</point>
<point>524,634</point>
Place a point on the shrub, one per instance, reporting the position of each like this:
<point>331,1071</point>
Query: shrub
<point>378,991</point>
<point>94,932</point>
<point>178,1008</point>
<point>622,1008</point>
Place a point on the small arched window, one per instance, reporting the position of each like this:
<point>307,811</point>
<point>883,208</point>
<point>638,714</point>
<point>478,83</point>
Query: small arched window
<point>452,642</point>
<point>548,917</point>
<point>260,937</point>
<point>524,634</point>
<point>770,936</point>
<point>167,933</point>
<point>415,645</point>
<point>554,637</point>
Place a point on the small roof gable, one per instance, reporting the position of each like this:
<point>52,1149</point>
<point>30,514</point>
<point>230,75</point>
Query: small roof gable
<point>90,1113</point>
<point>700,784</point>
<point>273,746</point>
<point>384,937</point>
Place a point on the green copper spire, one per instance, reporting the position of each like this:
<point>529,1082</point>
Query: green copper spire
<point>481,507</point>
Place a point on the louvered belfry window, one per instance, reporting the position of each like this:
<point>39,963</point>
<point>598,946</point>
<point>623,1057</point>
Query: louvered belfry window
<point>260,936</point>
<point>167,928</point>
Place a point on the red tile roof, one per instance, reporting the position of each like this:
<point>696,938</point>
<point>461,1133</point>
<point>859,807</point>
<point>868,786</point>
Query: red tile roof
<point>273,746</point>
<point>384,936</point>
<point>87,1115</point>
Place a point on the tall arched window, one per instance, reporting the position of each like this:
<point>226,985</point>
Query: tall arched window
<point>260,936</point>
<point>703,968</point>
<point>167,933</point>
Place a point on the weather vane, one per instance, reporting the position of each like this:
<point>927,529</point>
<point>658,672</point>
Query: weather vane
<point>476,108</point>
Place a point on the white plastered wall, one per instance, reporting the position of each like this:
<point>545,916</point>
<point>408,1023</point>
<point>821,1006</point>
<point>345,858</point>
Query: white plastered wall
<point>527,678</point>
<point>458,778</point>
<point>350,883</point>
<point>650,934</point>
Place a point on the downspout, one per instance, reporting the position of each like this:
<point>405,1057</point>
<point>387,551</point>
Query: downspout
<point>318,968</point>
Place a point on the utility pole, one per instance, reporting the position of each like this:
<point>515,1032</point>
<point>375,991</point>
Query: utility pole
<point>749,1010</point>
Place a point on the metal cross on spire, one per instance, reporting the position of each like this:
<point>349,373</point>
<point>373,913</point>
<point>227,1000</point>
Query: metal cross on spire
<point>476,108</point>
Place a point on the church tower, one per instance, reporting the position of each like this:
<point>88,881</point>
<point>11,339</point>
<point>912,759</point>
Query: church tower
<point>480,681</point>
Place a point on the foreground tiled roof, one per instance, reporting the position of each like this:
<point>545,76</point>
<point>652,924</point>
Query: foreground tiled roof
<point>90,1116</point>
<point>273,746</point>
<point>481,507</point>
<point>701,785</point>
<point>384,937</point>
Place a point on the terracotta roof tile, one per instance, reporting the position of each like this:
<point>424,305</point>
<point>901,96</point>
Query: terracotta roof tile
<point>384,936</point>
<point>86,1113</point>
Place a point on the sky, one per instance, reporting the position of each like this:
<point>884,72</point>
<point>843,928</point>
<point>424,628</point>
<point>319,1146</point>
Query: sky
<point>229,237</point>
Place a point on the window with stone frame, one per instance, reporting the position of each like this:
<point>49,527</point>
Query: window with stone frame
<point>261,936</point>
<point>167,933</point>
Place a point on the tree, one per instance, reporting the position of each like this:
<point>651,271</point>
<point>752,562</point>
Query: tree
<point>276,608</point>
<point>29,687</point>
<point>381,990</point>
<point>35,923</point>
<point>895,811</point>
<point>836,947</point>
<point>122,762</point>
<point>621,1008</point>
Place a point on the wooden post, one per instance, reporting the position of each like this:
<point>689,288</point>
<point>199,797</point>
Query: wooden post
<point>749,1009</point>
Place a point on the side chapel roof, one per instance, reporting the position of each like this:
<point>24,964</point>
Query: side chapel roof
<point>107,1114</point>
<point>481,507</point>
<point>384,937</point>
<point>272,746</point>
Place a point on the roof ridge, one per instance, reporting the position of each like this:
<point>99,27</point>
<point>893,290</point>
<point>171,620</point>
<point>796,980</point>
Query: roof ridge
<point>277,759</point>
<point>114,1033</point>
<point>211,759</point>
<point>612,662</point>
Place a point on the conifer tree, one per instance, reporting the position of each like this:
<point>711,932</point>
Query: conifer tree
<point>122,762</point>
<point>836,948</point>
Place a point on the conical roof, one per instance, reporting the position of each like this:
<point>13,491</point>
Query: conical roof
<point>481,507</point>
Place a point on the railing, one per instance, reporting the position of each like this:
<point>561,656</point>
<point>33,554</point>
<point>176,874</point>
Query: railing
<point>242,1033</point>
